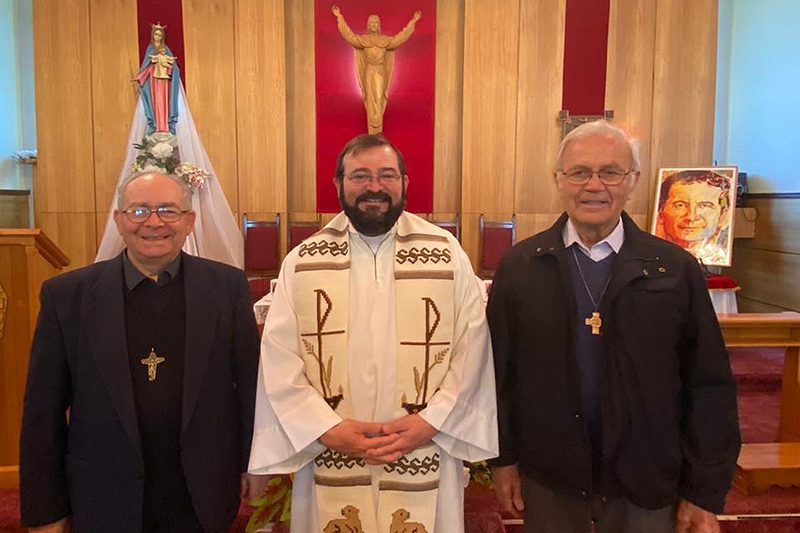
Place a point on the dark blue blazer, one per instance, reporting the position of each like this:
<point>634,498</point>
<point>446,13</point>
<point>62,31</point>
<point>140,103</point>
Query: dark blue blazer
<point>80,451</point>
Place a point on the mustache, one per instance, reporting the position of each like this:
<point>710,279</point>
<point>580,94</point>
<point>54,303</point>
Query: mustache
<point>372,195</point>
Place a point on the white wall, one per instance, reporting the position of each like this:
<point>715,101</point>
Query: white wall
<point>10,130</point>
<point>758,92</point>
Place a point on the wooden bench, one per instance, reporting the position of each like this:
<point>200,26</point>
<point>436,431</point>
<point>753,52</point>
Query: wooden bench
<point>762,465</point>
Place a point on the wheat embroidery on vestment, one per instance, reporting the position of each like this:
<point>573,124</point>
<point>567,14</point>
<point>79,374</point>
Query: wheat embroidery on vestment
<point>432,318</point>
<point>324,308</point>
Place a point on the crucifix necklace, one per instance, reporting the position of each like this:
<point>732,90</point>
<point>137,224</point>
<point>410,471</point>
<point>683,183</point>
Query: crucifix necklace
<point>594,321</point>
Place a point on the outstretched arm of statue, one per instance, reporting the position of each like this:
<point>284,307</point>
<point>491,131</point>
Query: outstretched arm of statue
<point>344,29</point>
<point>405,33</point>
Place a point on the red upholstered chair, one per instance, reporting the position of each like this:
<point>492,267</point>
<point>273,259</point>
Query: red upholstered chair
<point>495,240</point>
<point>300,231</point>
<point>261,253</point>
<point>453,226</point>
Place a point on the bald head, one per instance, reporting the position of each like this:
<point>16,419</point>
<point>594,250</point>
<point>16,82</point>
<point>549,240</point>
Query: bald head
<point>150,176</point>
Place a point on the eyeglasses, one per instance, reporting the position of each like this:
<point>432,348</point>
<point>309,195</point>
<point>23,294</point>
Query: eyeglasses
<point>582,175</point>
<point>167,214</point>
<point>384,177</point>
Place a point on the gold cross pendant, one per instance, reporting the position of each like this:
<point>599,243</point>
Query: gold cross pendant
<point>595,322</point>
<point>152,361</point>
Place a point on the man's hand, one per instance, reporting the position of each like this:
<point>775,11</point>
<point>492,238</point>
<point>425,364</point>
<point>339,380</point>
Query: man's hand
<point>508,486</point>
<point>352,437</point>
<point>693,519</point>
<point>62,526</point>
<point>410,432</point>
<point>336,11</point>
<point>252,486</point>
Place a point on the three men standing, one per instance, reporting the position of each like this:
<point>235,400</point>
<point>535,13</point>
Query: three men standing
<point>615,399</point>
<point>376,376</point>
<point>616,402</point>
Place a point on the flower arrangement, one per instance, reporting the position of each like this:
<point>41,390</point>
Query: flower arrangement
<point>273,506</point>
<point>157,153</point>
<point>481,473</point>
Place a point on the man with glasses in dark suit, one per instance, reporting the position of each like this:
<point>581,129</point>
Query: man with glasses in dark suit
<point>138,409</point>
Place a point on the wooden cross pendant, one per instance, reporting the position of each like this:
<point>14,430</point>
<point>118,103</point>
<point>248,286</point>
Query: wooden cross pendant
<point>152,361</point>
<point>595,322</point>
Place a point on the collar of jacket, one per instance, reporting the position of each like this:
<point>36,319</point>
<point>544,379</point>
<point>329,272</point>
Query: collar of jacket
<point>640,255</point>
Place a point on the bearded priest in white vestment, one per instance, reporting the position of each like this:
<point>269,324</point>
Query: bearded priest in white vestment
<point>376,379</point>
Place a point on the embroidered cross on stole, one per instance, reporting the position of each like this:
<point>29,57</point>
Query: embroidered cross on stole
<point>344,486</point>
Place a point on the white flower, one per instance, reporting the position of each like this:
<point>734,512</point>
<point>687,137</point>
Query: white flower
<point>149,167</point>
<point>162,137</point>
<point>161,150</point>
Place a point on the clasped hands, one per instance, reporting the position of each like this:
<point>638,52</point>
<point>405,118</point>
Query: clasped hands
<point>379,443</point>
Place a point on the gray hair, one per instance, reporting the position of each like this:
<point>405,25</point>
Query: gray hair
<point>601,128</point>
<point>187,190</point>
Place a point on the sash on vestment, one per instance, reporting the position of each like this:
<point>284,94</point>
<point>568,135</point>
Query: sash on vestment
<point>423,271</point>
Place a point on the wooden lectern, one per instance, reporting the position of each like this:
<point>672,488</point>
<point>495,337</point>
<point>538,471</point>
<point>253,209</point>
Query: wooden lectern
<point>27,258</point>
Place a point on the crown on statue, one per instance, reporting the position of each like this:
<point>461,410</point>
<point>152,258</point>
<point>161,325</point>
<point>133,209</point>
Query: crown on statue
<point>157,26</point>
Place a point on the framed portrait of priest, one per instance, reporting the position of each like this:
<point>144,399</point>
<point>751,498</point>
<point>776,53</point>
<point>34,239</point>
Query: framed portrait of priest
<point>694,209</point>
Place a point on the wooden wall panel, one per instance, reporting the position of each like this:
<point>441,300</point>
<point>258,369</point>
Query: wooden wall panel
<point>684,83</point>
<point>766,266</point>
<point>114,94</point>
<point>629,83</point>
<point>301,136</point>
<point>529,224</point>
<point>767,277</point>
<point>210,80</point>
<point>74,233</point>
<point>491,44</point>
<point>261,105</point>
<point>63,74</point>
<point>777,225</point>
<point>448,105</point>
<point>250,84</point>
<point>539,95</point>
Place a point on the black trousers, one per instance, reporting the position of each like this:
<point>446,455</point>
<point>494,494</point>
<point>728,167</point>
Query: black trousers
<point>547,511</point>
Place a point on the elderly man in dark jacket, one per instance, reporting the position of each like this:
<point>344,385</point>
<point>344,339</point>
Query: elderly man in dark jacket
<point>616,402</point>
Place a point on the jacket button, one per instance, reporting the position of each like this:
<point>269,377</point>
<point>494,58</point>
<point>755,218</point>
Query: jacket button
<point>577,416</point>
<point>539,249</point>
<point>583,493</point>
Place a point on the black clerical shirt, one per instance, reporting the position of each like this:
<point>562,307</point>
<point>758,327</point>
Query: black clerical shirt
<point>155,318</point>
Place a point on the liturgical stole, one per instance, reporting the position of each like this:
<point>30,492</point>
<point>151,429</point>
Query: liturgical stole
<point>423,277</point>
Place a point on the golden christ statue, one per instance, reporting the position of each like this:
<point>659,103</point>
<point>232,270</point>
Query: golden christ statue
<point>374,61</point>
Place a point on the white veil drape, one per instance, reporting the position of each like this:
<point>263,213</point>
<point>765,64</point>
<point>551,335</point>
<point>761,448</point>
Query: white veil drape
<point>216,235</point>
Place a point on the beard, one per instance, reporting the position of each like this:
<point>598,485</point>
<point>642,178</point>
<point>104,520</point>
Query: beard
<point>372,222</point>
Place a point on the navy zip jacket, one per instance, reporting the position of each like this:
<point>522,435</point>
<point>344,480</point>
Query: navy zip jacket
<point>667,396</point>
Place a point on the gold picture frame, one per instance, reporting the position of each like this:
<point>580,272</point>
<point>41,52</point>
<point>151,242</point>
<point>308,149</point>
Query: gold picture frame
<point>694,208</point>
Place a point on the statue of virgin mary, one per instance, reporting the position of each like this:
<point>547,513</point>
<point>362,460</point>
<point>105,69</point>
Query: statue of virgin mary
<point>163,138</point>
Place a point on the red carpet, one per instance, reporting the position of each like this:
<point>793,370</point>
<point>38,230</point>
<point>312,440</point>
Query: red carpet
<point>758,375</point>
